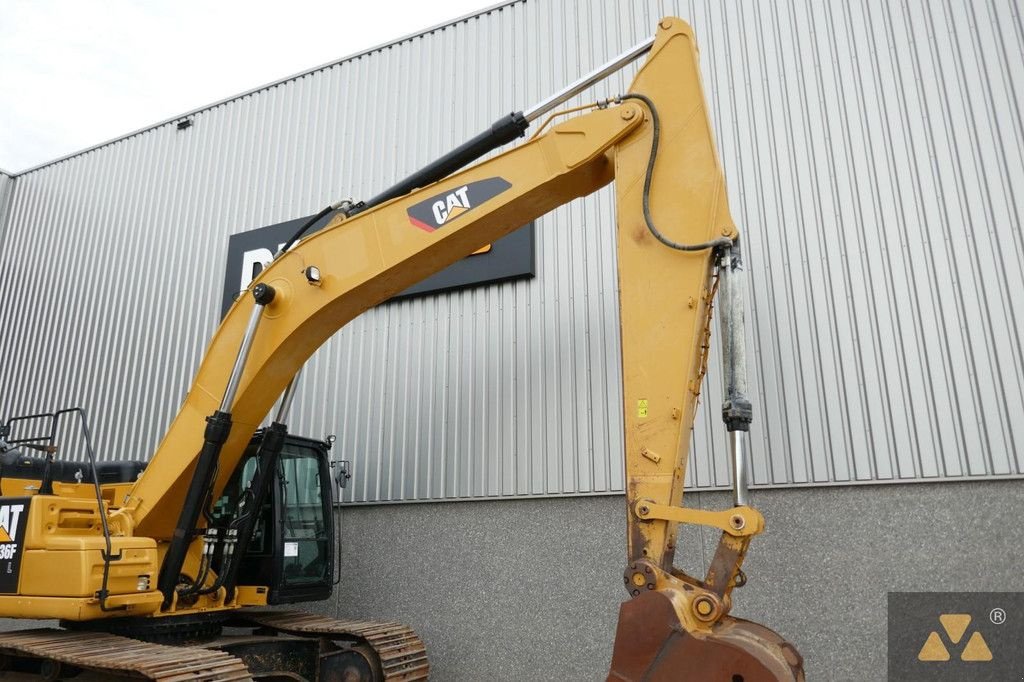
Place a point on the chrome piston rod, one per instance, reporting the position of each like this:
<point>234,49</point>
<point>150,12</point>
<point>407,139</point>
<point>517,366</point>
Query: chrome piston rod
<point>286,401</point>
<point>263,295</point>
<point>739,468</point>
<point>584,82</point>
<point>501,132</point>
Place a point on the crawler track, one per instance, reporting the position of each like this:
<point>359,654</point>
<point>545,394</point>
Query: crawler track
<point>402,653</point>
<point>115,655</point>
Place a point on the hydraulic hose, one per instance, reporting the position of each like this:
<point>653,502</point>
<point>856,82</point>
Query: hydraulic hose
<point>649,174</point>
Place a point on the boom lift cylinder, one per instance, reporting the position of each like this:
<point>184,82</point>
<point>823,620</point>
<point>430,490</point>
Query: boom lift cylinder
<point>218,428</point>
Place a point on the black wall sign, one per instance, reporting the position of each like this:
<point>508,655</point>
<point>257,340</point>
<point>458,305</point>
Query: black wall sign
<point>13,517</point>
<point>511,257</point>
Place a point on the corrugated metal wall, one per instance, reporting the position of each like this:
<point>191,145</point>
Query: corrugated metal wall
<point>6,182</point>
<point>873,156</point>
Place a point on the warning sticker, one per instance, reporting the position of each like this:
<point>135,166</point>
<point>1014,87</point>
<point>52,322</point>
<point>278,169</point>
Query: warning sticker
<point>641,408</point>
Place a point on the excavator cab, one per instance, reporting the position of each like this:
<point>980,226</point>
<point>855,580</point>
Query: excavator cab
<point>291,549</point>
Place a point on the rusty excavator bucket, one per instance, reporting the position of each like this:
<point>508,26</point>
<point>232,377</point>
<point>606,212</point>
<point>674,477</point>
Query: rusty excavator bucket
<point>652,645</point>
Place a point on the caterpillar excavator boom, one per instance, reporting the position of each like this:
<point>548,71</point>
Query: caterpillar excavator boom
<point>205,532</point>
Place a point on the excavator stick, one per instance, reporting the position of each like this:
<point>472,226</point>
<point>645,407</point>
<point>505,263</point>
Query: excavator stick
<point>674,226</point>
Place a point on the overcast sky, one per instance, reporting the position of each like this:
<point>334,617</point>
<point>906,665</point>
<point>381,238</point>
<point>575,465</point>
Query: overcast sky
<point>74,73</point>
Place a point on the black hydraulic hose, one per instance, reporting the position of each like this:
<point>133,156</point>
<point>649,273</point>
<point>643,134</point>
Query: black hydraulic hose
<point>655,140</point>
<point>305,226</point>
<point>201,574</point>
<point>244,504</point>
<point>206,560</point>
<point>225,559</point>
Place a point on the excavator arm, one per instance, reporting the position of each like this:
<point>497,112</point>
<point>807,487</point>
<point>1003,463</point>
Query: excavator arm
<point>676,242</point>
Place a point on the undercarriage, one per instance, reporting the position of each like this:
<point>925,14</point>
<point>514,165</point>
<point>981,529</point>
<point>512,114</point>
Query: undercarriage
<point>261,645</point>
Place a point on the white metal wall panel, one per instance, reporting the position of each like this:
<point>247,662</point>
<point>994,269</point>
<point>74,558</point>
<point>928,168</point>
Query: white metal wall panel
<point>873,153</point>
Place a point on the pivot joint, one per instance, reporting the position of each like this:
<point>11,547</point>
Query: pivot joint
<point>263,294</point>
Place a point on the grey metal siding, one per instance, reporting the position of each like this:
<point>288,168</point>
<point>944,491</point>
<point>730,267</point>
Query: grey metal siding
<point>6,182</point>
<point>873,158</point>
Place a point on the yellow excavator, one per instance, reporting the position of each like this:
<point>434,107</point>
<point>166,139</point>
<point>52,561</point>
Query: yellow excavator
<point>163,577</point>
